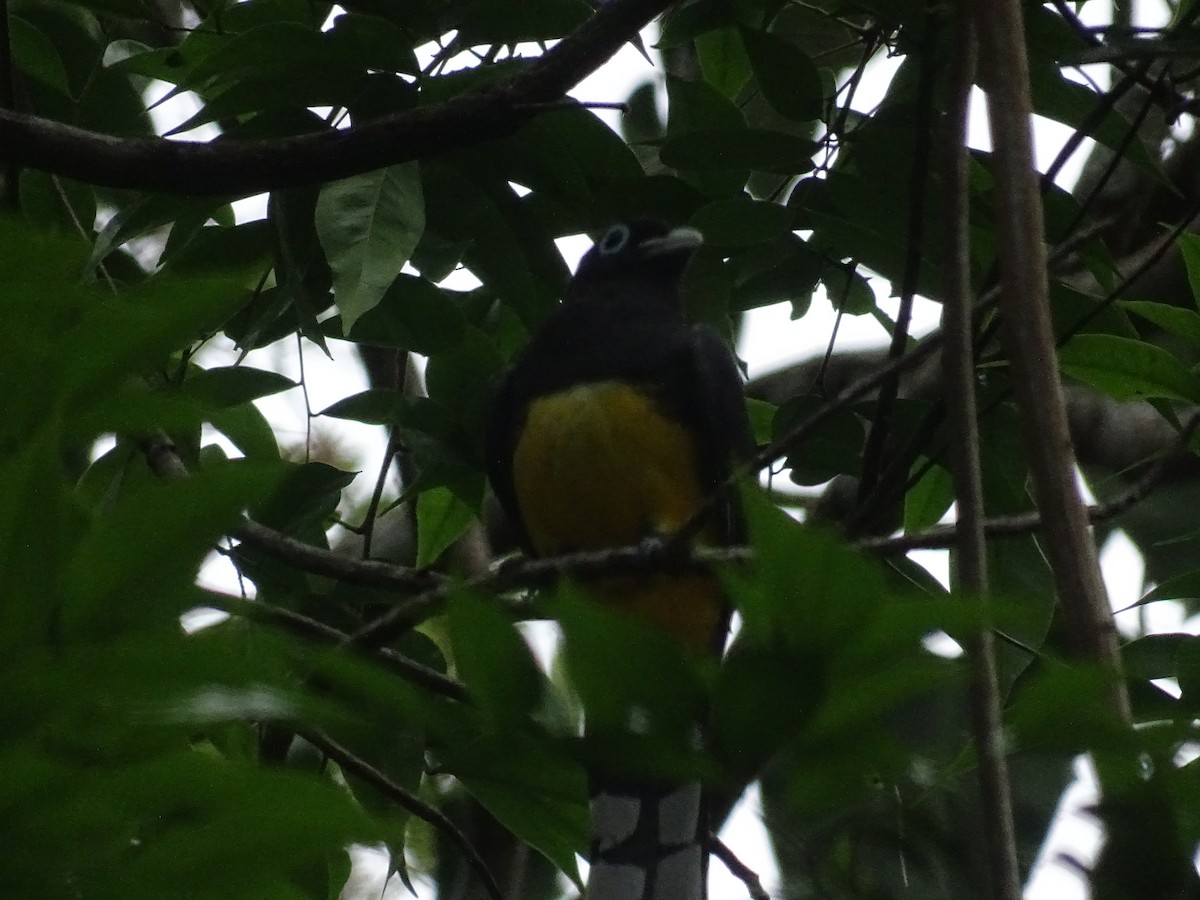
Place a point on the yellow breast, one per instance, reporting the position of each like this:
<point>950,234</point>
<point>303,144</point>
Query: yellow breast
<point>600,466</point>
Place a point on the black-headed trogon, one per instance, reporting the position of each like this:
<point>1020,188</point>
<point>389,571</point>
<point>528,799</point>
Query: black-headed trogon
<point>613,426</point>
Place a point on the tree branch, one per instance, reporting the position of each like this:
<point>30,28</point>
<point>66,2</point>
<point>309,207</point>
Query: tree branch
<point>315,561</point>
<point>1029,341</point>
<point>397,663</point>
<point>737,868</point>
<point>652,558</point>
<point>406,800</point>
<point>918,177</point>
<point>238,167</point>
<point>945,536</point>
<point>969,557</point>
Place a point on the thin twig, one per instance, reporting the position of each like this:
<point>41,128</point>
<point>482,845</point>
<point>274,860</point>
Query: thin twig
<point>1171,101</point>
<point>368,526</point>
<point>397,663</point>
<point>405,799</point>
<point>737,868</point>
<point>918,178</point>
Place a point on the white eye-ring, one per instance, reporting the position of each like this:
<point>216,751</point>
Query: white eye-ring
<point>614,240</point>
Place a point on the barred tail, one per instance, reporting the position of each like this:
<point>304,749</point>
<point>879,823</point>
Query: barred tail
<point>648,843</point>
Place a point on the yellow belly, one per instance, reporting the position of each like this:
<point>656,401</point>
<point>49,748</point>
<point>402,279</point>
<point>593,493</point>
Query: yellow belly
<point>600,466</point>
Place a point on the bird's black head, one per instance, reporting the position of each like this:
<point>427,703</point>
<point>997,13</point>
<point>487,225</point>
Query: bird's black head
<point>640,255</point>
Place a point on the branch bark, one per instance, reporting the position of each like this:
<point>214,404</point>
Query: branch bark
<point>1029,342</point>
<point>239,167</point>
<point>970,555</point>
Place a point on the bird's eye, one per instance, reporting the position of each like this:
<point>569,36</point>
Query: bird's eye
<point>614,240</point>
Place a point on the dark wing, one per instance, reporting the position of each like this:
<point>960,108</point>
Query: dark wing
<point>506,417</point>
<point>717,414</point>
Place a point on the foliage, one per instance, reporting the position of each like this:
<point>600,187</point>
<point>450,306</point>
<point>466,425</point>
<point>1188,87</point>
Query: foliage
<point>241,759</point>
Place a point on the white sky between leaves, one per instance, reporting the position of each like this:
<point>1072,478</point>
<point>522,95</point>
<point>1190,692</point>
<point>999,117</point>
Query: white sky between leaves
<point>769,340</point>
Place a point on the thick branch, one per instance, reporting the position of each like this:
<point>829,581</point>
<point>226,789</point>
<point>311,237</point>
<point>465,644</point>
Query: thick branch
<point>1030,342</point>
<point>227,166</point>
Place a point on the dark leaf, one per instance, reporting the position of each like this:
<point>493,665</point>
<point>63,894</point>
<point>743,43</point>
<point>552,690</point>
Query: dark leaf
<point>785,74</point>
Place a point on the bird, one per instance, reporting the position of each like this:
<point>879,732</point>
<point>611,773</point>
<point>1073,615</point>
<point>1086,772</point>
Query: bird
<point>618,423</point>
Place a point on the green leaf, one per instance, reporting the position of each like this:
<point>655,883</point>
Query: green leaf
<point>152,543</point>
<point>369,226</point>
<point>375,406</point>
<point>73,344</point>
<point>685,21</point>
<point>740,148</point>
<point>270,46</point>
<point>833,447</point>
<point>1127,369</point>
<point>306,497</point>
<point>1155,655</point>
<point>35,531</point>
<point>36,56</point>
<point>570,155</point>
<point>53,203</point>
<point>1059,695</point>
<point>929,499</point>
<point>744,738</point>
<point>111,103</point>
<point>441,520</point>
<point>533,790</point>
<point>453,378</point>
<point>147,214</point>
<point>783,270</point>
<point>807,588</point>
<point>501,22</point>
<point>618,664</point>
<point>849,291</point>
<point>1185,586</point>
<point>1069,307</point>
<point>1184,323</point>
<point>413,315</point>
<point>1071,103</point>
<point>788,79</point>
<point>249,430</point>
<point>740,222</point>
<point>697,108</point>
<point>493,658</point>
<point>212,249</point>
<point>762,414</point>
<point>225,386</point>
<point>143,325</point>
<point>220,796</point>
<point>1189,246</point>
<point>285,98</point>
<point>511,251</point>
<point>371,42</point>
<point>723,61</point>
<point>707,290</point>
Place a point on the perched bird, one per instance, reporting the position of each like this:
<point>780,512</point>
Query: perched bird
<point>616,423</point>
